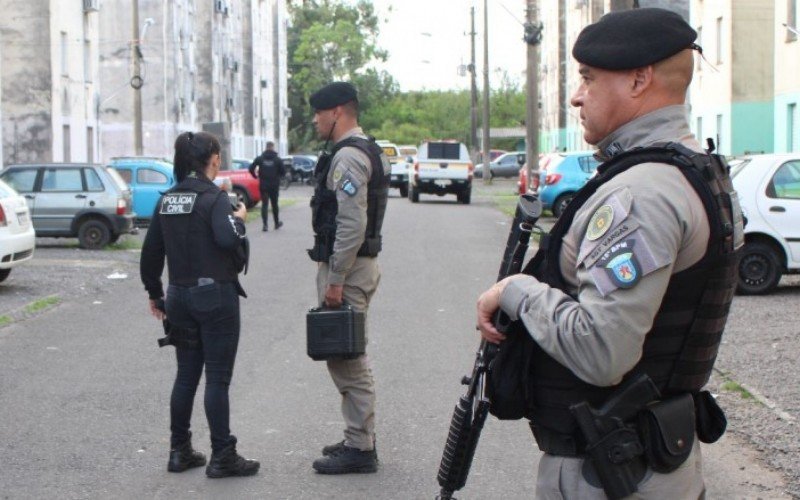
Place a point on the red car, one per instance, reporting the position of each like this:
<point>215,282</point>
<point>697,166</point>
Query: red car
<point>244,185</point>
<point>522,183</point>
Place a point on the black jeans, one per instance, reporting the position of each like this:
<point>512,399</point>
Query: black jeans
<point>270,194</point>
<point>214,310</point>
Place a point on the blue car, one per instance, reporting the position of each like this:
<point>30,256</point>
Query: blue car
<point>148,178</point>
<point>562,175</point>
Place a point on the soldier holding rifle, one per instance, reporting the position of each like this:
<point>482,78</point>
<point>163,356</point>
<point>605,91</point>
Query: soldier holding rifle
<point>633,285</point>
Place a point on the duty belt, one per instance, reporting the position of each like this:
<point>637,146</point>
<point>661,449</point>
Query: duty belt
<point>556,443</point>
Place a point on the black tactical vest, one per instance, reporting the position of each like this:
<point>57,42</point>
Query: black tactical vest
<point>324,206</point>
<point>189,239</point>
<point>680,349</point>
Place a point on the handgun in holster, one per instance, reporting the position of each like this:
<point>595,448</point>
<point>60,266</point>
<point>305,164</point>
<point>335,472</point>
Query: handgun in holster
<point>188,338</point>
<point>613,444</point>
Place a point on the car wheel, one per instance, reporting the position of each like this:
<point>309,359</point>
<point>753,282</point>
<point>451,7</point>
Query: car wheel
<point>465,196</point>
<point>561,204</point>
<point>93,234</point>
<point>4,274</point>
<point>759,269</point>
<point>244,198</point>
<point>403,190</point>
<point>413,194</point>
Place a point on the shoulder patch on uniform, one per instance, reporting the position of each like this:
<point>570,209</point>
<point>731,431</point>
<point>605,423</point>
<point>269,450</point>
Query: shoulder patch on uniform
<point>600,222</point>
<point>177,203</point>
<point>624,264</point>
<point>603,227</point>
<point>337,175</point>
<point>349,187</point>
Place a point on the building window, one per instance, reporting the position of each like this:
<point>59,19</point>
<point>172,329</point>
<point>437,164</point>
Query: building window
<point>791,111</point>
<point>700,43</point>
<point>719,40</point>
<point>719,133</point>
<point>90,144</point>
<point>791,20</point>
<point>700,128</point>
<point>66,139</point>
<point>87,61</point>
<point>64,55</point>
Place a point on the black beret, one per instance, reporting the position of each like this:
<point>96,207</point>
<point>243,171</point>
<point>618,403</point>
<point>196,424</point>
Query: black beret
<point>332,95</point>
<point>633,38</point>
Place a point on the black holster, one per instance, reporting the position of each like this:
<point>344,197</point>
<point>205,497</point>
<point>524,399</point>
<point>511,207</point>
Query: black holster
<point>186,338</point>
<point>323,248</point>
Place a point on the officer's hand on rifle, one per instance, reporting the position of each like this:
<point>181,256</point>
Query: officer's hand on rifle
<point>488,303</point>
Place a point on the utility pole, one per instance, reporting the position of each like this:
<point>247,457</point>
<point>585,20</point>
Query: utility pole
<point>136,82</point>
<point>486,171</point>
<point>532,37</point>
<point>473,107</point>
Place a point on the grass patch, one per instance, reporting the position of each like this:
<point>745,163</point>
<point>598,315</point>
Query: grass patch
<point>733,386</point>
<point>5,320</point>
<point>41,304</point>
<point>506,203</point>
<point>126,243</point>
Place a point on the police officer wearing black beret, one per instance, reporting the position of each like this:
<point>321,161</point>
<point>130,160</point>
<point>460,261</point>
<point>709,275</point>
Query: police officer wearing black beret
<point>349,202</point>
<point>204,243</point>
<point>635,280</point>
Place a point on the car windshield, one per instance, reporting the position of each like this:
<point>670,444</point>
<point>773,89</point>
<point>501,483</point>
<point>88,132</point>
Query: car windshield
<point>738,165</point>
<point>6,190</point>
<point>118,180</point>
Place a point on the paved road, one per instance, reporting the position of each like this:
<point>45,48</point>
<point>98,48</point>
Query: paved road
<point>84,391</point>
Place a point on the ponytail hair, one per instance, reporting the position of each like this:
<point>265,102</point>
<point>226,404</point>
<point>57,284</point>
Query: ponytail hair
<point>193,151</point>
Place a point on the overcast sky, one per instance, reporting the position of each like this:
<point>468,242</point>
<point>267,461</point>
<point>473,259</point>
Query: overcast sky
<point>428,39</point>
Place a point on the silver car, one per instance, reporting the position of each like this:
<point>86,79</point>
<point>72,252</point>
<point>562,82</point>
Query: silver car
<point>90,202</point>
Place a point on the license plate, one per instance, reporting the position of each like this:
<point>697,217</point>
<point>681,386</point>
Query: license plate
<point>442,183</point>
<point>22,219</point>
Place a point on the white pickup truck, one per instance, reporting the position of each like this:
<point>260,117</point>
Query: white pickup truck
<point>442,167</point>
<point>399,176</point>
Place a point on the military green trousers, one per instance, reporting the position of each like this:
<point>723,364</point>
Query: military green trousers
<point>353,377</point>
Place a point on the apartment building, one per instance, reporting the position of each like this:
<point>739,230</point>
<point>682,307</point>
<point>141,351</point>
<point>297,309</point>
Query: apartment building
<point>216,65</point>
<point>50,86</point>
<point>733,86</point>
<point>787,77</point>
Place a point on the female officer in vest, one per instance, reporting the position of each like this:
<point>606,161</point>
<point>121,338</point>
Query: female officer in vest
<point>202,239</point>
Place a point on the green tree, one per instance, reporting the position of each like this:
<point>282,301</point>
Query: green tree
<point>332,40</point>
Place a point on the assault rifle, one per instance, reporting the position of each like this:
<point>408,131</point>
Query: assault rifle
<point>473,407</point>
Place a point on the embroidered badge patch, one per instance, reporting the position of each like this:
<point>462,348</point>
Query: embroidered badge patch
<point>623,268</point>
<point>177,203</point>
<point>337,175</point>
<point>349,188</point>
<point>600,222</point>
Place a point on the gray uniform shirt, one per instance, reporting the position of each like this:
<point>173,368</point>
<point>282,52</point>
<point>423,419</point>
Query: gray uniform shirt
<point>649,212</point>
<point>348,177</point>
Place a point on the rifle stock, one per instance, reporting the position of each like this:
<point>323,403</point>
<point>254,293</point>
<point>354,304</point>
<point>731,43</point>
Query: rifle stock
<point>472,408</point>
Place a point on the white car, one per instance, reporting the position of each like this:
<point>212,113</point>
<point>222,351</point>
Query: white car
<point>17,237</point>
<point>769,191</point>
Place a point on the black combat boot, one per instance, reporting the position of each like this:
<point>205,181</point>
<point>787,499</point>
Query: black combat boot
<point>346,460</point>
<point>278,224</point>
<point>333,449</point>
<point>228,463</point>
<point>183,457</point>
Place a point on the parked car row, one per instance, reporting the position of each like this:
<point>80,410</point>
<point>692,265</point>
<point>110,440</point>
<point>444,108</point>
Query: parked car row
<point>90,202</point>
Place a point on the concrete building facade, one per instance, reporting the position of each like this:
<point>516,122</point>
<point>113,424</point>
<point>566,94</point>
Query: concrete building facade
<point>49,80</point>
<point>787,76</point>
<point>206,65</point>
<point>733,86</point>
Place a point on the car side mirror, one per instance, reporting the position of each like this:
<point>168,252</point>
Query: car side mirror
<point>520,158</point>
<point>409,159</point>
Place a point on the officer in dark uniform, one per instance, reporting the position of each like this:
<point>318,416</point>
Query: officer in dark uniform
<point>634,281</point>
<point>205,246</point>
<point>347,215</point>
<point>270,172</point>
